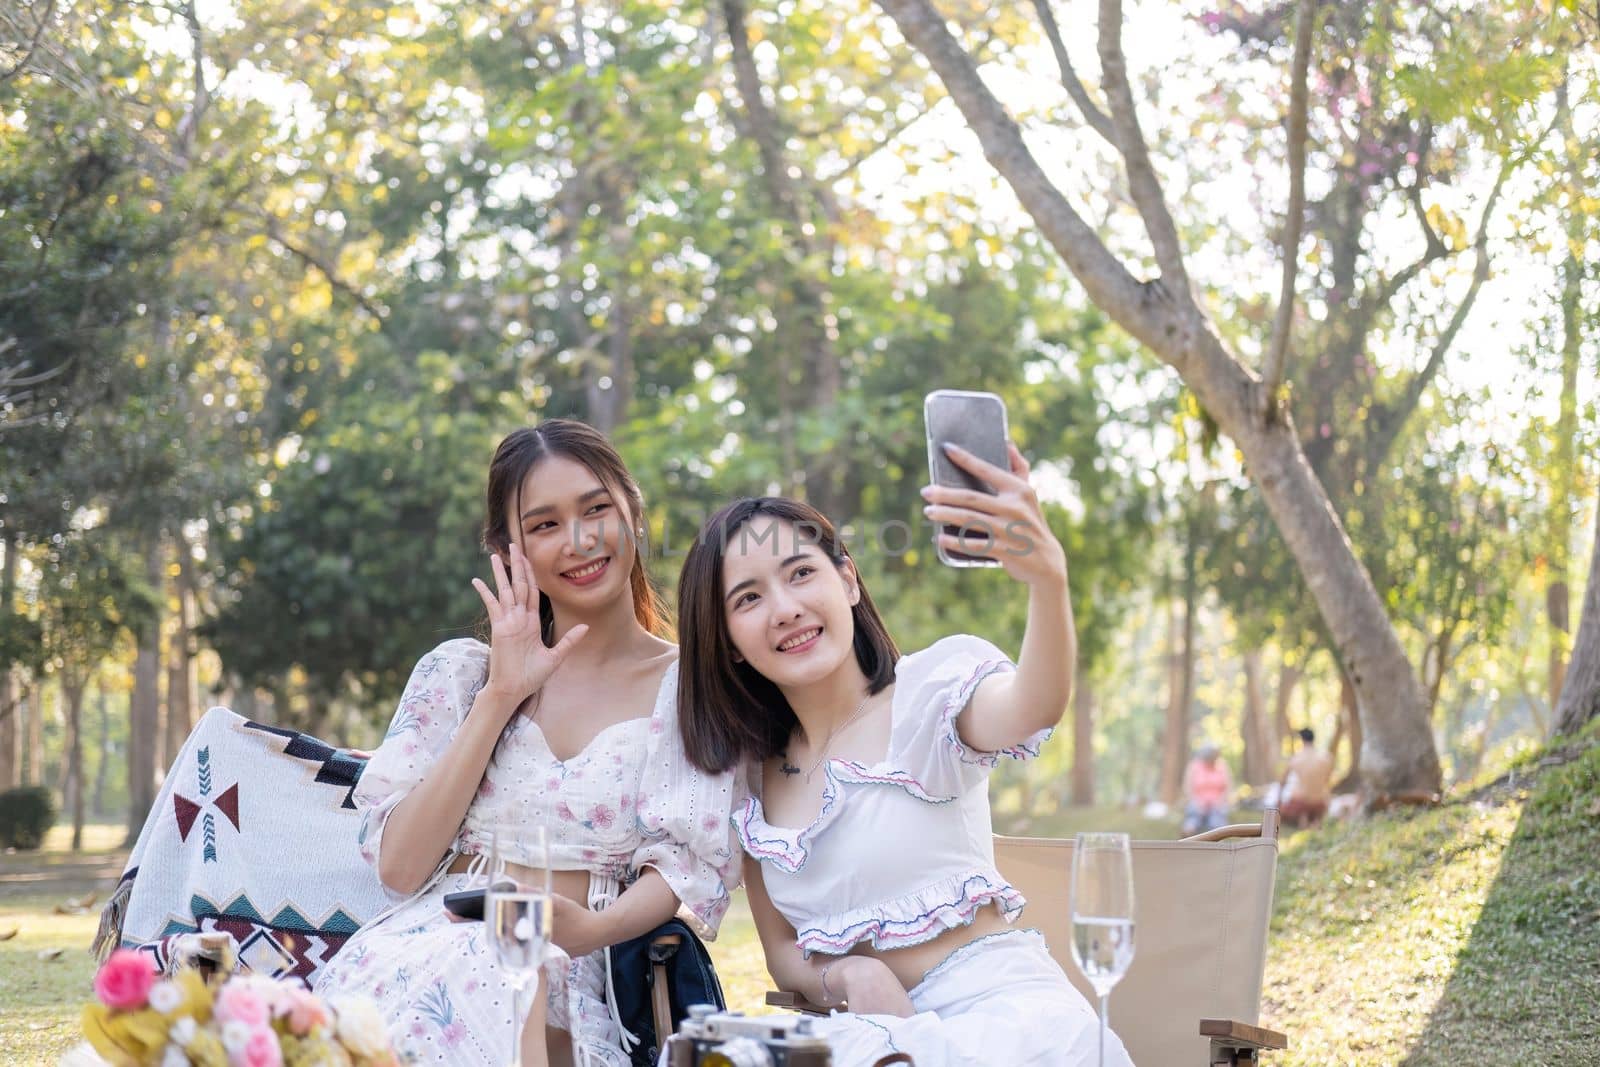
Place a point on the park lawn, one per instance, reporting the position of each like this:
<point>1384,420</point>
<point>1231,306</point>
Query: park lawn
<point>45,968</point>
<point>1467,933</point>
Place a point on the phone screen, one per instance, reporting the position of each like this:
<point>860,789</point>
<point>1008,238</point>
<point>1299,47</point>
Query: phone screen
<point>977,423</point>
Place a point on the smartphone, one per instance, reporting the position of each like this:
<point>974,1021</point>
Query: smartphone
<point>468,903</point>
<point>976,422</point>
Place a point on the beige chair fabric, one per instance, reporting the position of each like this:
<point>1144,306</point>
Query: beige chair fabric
<point>1201,910</point>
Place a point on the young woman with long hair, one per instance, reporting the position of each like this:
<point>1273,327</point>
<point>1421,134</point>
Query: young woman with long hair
<point>566,719</point>
<point>869,857</point>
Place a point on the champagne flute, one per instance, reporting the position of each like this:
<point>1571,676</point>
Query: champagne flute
<point>1102,915</point>
<point>517,917</point>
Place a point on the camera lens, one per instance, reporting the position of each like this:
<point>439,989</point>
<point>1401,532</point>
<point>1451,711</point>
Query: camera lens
<point>739,1052</point>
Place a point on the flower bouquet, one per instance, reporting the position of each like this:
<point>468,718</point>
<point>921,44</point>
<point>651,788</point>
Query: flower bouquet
<point>143,1020</point>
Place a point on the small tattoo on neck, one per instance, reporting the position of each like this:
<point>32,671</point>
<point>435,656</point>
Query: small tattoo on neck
<point>789,768</point>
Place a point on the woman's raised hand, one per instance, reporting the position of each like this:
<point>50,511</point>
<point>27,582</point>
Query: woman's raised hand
<point>519,662</point>
<point>1008,527</point>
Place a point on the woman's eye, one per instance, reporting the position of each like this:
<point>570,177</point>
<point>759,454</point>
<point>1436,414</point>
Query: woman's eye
<point>598,508</point>
<point>743,600</point>
<point>803,570</point>
<point>541,526</point>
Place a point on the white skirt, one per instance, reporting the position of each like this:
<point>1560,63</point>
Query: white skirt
<point>1001,999</point>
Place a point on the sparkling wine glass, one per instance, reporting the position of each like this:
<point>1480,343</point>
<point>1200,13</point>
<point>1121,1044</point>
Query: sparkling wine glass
<point>1102,915</point>
<point>516,915</point>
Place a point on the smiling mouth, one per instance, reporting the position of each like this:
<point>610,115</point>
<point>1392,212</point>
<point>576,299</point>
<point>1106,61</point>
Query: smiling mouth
<point>588,572</point>
<point>801,640</point>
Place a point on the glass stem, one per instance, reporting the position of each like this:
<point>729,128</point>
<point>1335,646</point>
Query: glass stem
<point>1105,999</point>
<point>519,1021</point>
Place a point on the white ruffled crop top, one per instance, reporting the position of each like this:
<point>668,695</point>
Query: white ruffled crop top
<point>901,850</point>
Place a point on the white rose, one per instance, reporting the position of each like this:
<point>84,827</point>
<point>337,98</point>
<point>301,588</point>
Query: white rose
<point>360,1025</point>
<point>183,1032</point>
<point>235,1036</point>
<point>166,997</point>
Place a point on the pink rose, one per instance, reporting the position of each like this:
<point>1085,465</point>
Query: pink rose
<point>262,1050</point>
<point>238,1003</point>
<point>306,1013</point>
<point>602,816</point>
<point>124,980</point>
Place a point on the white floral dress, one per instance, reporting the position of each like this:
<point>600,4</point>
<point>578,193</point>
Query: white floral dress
<point>629,800</point>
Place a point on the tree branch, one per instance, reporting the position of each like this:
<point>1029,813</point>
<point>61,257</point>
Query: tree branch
<point>1278,346</point>
<point>33,43</point>
<point>1096,118</point>
<point>1394,416</point>
<point>1142,181</point>
<point>321,265</point>
<point>1148,312</point>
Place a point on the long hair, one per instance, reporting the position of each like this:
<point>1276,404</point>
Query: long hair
<point>519,453</point>
<point>727,710</point>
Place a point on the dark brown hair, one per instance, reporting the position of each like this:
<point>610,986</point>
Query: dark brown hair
<point>519,453</point>
<point>728,711</point>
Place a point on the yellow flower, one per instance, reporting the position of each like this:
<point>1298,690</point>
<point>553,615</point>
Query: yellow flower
<point>206,1050</point>
<point>125,1037</point>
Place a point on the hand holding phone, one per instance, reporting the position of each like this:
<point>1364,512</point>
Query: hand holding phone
<point>975,422</point>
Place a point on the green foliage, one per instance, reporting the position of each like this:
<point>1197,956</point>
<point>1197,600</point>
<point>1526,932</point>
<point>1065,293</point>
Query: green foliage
<point>26,815</point>
<point>359,555</point>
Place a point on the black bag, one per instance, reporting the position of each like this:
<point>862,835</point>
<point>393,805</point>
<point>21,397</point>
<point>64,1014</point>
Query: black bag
<point>670,955</point>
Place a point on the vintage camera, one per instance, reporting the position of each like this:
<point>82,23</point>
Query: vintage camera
<point>709,1038</point>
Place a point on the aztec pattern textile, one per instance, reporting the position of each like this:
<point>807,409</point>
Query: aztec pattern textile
<point>252,834</point>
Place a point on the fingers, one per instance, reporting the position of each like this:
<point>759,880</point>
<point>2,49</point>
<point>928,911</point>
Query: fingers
<point>982,522</point>
<point>1019,465</point>
<point>968,544</point>
<point>982,468</point>
<point>491,604</point>
<point>531,585</point>
<point>521,577</point>
<point>502,581</point>
<point>567,642</point>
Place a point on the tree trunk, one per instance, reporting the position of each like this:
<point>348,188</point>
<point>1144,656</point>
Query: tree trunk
<point>144,707</point>
<point>10,715</point>
<point>32,705</point>
<point>1580,696</point>
<point>1259,759</point>
<point>1564,479</point>
<point>180,664</point>
<point>1562,490</point>
<point>1082,743</point>
<point>1350,720</point>
<point>72,688</point>
<point>1283,729</point>
<point>1164,315</point>
<point>1175,747</point>
<point>103,766</point>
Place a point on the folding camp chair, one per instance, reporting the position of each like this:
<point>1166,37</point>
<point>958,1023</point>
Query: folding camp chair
<point>1202,910</point>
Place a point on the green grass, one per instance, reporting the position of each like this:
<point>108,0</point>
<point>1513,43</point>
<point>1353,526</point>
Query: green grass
<point>1469,933</point>
<point>45,969</point>
<point>1463,934</point>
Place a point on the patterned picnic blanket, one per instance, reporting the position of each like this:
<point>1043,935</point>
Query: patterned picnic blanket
<point>253,834</point>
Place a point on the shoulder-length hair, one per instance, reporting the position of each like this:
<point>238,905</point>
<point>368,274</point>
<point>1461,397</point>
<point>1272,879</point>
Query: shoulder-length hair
<point>519,453</point>
<point>727,711</point>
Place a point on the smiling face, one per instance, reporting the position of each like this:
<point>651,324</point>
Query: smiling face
<point>787,606</point>
<point>577,532</point>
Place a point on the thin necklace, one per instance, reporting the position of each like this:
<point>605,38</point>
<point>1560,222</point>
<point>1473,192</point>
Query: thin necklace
<point>828,741</point>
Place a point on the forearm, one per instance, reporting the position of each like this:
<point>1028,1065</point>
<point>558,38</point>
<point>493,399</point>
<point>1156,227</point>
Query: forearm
<point>423,824</point>
<point>1042,685</point>
<point>642,907</point>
